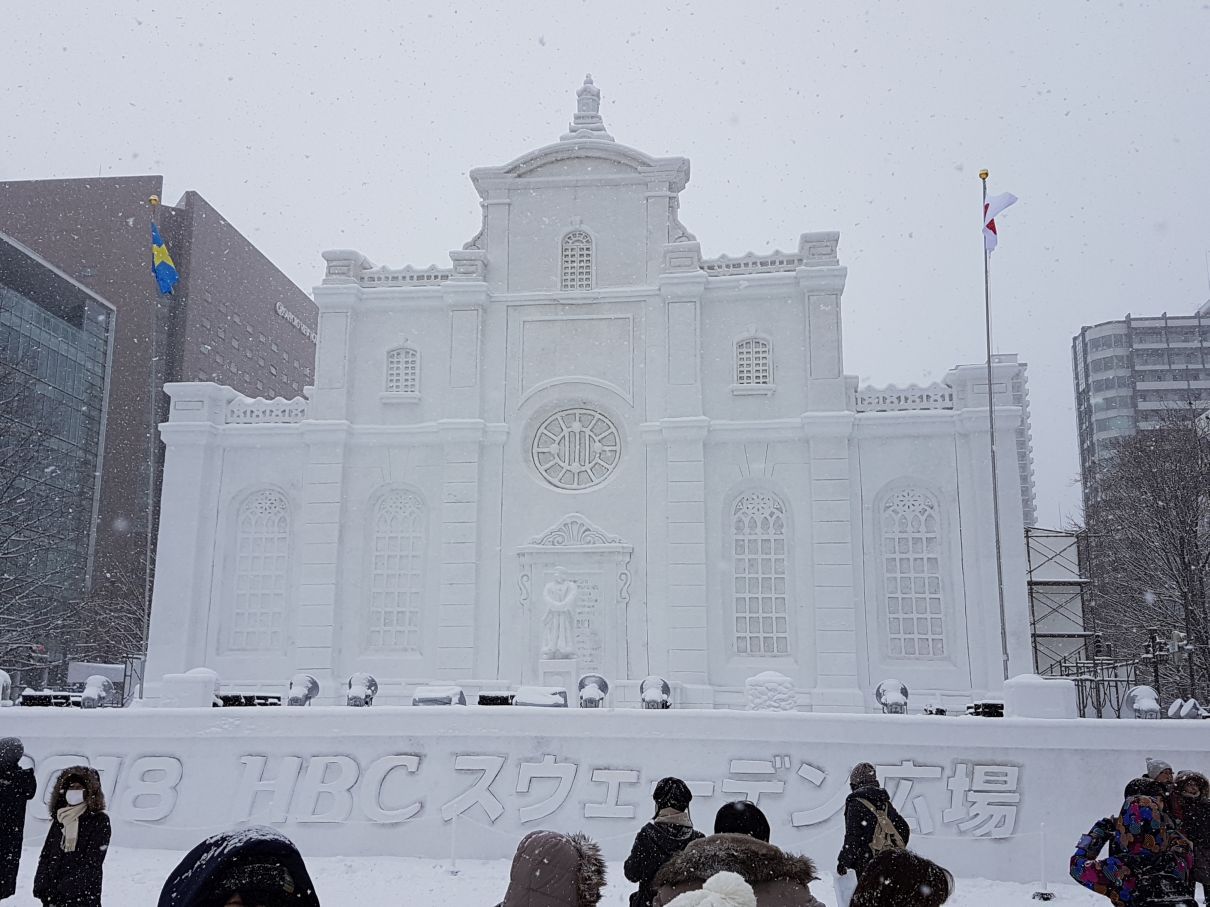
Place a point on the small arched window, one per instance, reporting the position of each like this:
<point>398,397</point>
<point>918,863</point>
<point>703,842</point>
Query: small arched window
<point>403,371</point>
<point>753,362</point>
<point>397,572</point>
<point>758,573</point>
<point>911,557</point>
<point>576,273</point>
<point>261,552</point>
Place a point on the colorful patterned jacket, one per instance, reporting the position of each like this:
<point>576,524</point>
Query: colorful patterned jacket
<point>1143,840</point>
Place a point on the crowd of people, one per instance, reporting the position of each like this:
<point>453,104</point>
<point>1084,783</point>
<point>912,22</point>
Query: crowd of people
<point>1158,849</point>
<point>1157,846</point>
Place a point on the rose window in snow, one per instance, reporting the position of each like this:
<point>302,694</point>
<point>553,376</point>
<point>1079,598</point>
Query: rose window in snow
<point>576,449</point>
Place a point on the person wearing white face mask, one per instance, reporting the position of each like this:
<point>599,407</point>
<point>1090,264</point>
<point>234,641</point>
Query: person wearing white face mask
<point>70,867</point>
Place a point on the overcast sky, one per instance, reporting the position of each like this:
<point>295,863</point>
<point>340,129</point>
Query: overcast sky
<point>324,125</point>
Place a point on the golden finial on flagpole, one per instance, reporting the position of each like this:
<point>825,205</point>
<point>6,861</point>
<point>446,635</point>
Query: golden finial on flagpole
<point>983,175</point>
<point>154,200</point>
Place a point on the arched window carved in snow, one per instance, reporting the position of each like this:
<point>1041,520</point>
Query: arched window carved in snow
<point>911,558</point>
<point>397,572</point>
<point>759,575</point>
<point>753,362</point>
<point>403,371</point>
<point>576,261</point>
<point>261,575</point>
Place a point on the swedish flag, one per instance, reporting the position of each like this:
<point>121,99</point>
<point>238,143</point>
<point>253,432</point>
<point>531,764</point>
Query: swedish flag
<point>161,263</point>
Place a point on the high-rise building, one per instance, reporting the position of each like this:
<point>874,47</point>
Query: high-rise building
<point>1128,372</point>
<point>234,317</point>
<point>55,349</point>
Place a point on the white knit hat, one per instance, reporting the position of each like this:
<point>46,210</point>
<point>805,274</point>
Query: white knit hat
<point>724,889</point>
<point>1156,767</point>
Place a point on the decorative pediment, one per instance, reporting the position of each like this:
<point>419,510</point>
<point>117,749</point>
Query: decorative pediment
<point>574,531</point>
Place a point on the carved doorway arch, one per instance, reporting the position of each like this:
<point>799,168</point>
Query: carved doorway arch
<point>599,564</point>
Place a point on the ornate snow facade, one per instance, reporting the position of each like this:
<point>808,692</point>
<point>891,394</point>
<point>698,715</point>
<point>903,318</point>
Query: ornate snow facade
<point>582,390</point>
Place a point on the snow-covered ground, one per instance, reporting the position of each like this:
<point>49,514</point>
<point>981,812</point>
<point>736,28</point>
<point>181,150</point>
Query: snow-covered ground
<point>133,879</point>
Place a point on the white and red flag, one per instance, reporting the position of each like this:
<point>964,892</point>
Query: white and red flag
<point>991,209</point>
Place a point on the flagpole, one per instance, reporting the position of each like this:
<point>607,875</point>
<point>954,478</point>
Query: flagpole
<point>154,201</point>
<point>991,428</point>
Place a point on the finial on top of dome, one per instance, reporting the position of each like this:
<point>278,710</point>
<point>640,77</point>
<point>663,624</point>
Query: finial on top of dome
<point>587,122</point>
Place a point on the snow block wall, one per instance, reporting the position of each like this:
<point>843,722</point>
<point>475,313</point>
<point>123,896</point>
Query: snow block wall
<point>471,781</point>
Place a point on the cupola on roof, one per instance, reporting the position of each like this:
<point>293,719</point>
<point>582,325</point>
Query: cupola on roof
<point>587,122</point>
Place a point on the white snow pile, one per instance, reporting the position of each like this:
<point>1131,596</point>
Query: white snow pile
<point>543,697</point>
<point>136,876</point>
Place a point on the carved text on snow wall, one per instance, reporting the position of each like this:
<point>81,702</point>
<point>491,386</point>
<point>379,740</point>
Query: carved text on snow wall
<point>969,797</point>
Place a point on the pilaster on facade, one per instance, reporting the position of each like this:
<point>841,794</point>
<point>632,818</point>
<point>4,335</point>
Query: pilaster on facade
<point>316,640</point>
<point>682,295</point>
<point>833,565</point>
<point>456,618</point>
<point>685,603</point>
<point>187,502</point>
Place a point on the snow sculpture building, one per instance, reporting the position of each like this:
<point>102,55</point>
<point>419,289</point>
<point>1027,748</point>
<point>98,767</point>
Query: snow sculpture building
<point>584,413</point>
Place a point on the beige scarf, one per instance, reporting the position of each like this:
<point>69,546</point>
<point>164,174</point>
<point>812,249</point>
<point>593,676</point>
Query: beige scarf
<point>69,818</point>
<point>670,816</point>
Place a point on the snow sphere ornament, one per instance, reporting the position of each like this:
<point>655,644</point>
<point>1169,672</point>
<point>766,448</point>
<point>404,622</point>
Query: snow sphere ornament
<point>593,690</point>
<point>892,695</point>
<point>1144,702</point>
<point>655,693</point>
<point>362,690</point>
<point>303,689</point>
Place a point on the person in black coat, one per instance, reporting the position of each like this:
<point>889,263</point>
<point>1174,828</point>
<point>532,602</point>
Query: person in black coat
<point>900,878</point>
<point>666,835</point>
<point>861,822</point>
<point>69,869</point>
<point>17,787</point>
<point>255,867</point>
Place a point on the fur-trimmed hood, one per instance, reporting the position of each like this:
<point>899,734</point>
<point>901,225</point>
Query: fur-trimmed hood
<point>555,870</point>
<point>85,775</point>
<point>1196,777</point>
<point>757,861</point>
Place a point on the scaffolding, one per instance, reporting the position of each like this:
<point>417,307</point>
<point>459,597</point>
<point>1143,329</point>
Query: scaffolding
<point>1063,644</point>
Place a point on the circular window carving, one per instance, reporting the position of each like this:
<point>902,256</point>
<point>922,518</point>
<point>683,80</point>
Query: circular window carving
<point>576,448</point>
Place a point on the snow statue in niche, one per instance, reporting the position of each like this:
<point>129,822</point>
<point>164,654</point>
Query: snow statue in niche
<point>559,624</point>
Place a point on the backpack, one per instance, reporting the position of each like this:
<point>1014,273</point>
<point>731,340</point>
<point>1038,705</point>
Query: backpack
<point>886,836</point>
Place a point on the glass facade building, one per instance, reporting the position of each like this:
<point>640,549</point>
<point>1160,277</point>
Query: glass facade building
<point>55,341</point>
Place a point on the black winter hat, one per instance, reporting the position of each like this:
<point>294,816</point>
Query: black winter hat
<point>863,775</point>
<point>1144,787</point>
<point>742,817</point>
<point>11,751</point>
<point>672,793</point>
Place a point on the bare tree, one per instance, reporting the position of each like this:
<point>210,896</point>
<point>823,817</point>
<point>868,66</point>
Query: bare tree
<point>107,624</point>
<point>1148,537</point>
<point>39,513</point>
